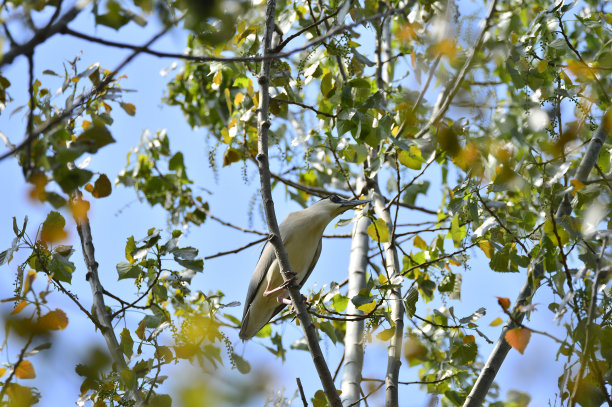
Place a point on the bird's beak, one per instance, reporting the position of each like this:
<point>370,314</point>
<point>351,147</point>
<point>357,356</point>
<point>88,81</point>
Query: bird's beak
<point>352,204</point>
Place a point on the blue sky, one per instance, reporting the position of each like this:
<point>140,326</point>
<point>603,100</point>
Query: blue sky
<point>121,215</point>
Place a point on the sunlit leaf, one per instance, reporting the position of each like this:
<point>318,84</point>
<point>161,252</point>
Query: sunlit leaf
<point>25,370</point>
<point>518,338</point>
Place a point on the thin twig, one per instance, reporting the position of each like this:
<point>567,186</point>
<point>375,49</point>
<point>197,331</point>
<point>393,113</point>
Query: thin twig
<point>305,106</point>
<point>575,51</point>
<point>301,389</point>
<point>42,35</point>
<point>253,243</point>
<point>42,128</point>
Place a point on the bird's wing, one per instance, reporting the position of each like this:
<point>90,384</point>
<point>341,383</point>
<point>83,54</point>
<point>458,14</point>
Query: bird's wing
<point>313,263</point>
<point>312,266</point>
<point>266,258</point>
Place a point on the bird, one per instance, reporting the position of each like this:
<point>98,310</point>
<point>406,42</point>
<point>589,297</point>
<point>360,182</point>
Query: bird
<point>302,233</point>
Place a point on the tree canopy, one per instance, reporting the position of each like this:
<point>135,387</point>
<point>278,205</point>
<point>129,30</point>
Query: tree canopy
<point>478,131</point>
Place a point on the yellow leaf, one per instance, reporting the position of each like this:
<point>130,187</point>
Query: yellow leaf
<point>577,184</point>
<point>486,247</point>
<point>238,98</point>
<point>419,243</point>
<point>367,308</point>
<point>542,66</point>
<point>79,208</point>
<point>382,279</point>
<point>2,371</point>
<point>378,231</point>
<point>228,100</point>
<point>414,349</point>
<point>140,331</point>
<point>19,307</point>
<point>518,338</point>
<point>27,282</point>
<point>25,370</point>
<point>129,108</point>
<point>386,334</point>
<point>217,78</point>
<point>496,321</point>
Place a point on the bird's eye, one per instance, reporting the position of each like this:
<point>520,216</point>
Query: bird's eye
<point>334,198</point>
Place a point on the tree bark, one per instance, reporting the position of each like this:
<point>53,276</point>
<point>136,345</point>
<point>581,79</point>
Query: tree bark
<point>97,290</point>
<point>353,340</point>
<point>275,238</point>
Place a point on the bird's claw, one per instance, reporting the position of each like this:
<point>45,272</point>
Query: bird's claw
<point>281,287</point>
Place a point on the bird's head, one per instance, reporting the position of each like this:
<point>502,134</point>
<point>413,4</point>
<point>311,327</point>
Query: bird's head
<point>333,205</point>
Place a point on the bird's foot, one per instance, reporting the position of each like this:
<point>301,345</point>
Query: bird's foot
<point>281,287</point>
<point>287,301</point>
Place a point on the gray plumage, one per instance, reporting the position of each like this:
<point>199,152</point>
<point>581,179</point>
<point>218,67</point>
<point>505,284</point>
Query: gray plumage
<point>301,233</point>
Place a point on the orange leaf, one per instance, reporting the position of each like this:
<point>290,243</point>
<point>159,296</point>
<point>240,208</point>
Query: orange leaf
<point>19,307</point>
<point>577,184</point>
<point>25,370</point>
<point>53,320</point>
<point>518,338</point>
<point>79,208</point>
<point>503,302</point>
<point>468,339</point>
<point>140,331</point>
<point>27,282</point>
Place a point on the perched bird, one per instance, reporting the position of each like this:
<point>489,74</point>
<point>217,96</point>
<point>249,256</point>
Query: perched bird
<point>302,233</point>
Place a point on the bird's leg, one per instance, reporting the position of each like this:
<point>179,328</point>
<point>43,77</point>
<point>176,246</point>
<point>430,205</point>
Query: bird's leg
<point>283,300</point>
<point>269,291</point>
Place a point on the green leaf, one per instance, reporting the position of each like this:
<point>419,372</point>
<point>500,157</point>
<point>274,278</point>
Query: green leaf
<point>457,232</point>
<point>186,253</point>
<point>412,296</point>
<point>329,330</point>
<point>386,334</point>
<point>102,187</point>
<point>241,364</point>
<point>378,231</point>
<point>127,270</point>
<point>195,265</point>
<point>127,343</point>
<point>339,302</point>
<point>94,138</point>
<point>61,268</point>
<point>129,108</point>
<point>160,400</point>
<point>130,246</point>
<point>447,284</point>
<point>71,179</point>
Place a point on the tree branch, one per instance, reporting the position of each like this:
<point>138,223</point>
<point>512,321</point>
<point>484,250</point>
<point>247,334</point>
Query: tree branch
<point>353,339</point>
<point>275,237</point>
<point>97,291</point>
<point>42,35</point>
<point>453,87</point>
<point>501,349</point>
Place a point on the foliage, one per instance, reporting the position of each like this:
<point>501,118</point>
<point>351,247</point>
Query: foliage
<point>505,118</point>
